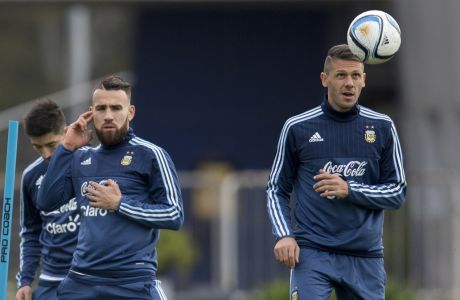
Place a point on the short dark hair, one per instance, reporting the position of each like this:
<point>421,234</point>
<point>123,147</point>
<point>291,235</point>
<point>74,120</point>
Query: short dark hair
<point>44,117</point>
<point>114,83</point>
<point>341,51</point>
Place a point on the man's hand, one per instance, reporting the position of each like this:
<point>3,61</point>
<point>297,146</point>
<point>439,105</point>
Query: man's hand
<point>24,293</point>
<point>330,185</point>
<point>77,133</point>
<point>287,252</point>
<point>107,195</point>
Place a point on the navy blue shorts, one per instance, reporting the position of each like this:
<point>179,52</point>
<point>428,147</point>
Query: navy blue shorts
<point>319,272</point>
<point>45,292</point>
<point>71,289</point>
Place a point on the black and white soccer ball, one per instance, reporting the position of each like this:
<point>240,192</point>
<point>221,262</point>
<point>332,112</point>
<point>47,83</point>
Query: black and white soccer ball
<point>374,36</point>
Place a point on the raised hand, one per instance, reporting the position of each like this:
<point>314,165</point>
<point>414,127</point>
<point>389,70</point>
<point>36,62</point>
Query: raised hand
<point>77,134</point>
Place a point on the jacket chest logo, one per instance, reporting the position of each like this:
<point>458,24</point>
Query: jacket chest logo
<point>39,181</point>
<point>315,138</point>
<point>369,134</point>
<point>127,158</point>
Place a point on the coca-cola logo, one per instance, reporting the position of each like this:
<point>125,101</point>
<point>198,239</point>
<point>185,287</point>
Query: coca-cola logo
<point>352,168</point>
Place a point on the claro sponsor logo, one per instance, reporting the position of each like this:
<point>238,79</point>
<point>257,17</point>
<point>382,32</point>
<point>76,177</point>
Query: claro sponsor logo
<point>70,226</point>
<point>90,211</point>
<point>351,169</point>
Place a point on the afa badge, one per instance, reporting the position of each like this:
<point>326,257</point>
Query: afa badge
<point>127,159</point>
<point>369,134</point>
<point>294,295</point>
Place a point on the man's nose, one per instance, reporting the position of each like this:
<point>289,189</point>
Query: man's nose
<point>46,153</point>
<point>108,115</point>
<point>349,81</point>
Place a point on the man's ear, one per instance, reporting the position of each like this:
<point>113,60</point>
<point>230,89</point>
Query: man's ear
<point>323,77</point>
<point>131,112</point>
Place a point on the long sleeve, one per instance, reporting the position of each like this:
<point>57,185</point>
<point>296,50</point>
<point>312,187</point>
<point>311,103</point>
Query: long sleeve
<point>58,179</point>
<point>390,192</point>
<point>280,183</point>
<point>29,247</point>
<point>162,207</point>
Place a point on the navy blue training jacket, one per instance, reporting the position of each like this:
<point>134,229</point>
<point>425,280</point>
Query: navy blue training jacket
<point>46,237</point>
<point>360,145</point>
<point>117,246</point>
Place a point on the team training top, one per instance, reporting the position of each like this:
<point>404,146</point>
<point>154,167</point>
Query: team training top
<point>117,246</point>
<point>362,147</point>
<point>49,236</point>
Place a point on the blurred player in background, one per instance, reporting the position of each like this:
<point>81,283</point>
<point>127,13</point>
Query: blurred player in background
<point>46,237</point>
<point>126,188</point>
<point>344,163</point>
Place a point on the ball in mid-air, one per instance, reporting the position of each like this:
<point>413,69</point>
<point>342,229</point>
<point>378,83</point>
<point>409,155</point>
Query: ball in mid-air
<point>374,36</point>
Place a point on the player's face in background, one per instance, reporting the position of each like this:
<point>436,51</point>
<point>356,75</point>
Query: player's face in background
<point>112,112</point>
<point>344,81</point>
<point>46,144</point>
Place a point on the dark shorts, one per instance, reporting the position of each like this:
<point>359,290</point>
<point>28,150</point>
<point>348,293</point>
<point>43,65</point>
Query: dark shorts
<point>71,289</point>
<point>45,291</point>
<point>319,272</point>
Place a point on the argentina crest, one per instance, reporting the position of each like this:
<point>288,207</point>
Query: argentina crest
<point>369,134</point>
<point>295,295</point>
<point>127,159</point>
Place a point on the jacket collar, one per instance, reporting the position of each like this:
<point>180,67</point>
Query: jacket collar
<point>339,116</point>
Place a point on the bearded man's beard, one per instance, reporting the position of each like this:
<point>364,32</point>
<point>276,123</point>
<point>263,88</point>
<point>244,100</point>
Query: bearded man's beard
<point>110,138</point>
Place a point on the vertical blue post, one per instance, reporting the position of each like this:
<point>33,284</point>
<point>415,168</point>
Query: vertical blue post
<point>7,207</point>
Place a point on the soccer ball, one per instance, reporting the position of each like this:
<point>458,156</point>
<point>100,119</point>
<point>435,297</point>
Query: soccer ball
<point>374,36</point>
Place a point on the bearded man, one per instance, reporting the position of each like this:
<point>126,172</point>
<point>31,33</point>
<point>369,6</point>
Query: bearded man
<point>126,189</point>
